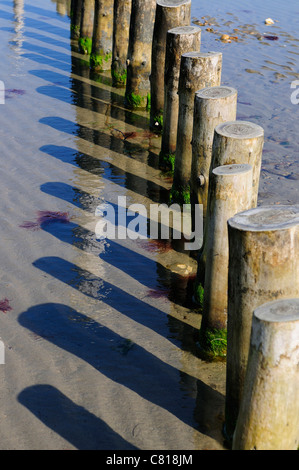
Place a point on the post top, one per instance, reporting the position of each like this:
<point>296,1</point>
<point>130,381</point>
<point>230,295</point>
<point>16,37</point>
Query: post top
<point>231,170</point>
<point>284,310</point>
<point>216,92</point>
<point>172,3</point>
<point>197,54</point>
<point>266,218</point>
<point>184,30</point>
<point>239,130</point>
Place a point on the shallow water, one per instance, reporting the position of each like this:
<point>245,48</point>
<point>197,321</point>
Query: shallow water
<point>262,70</point>
<point>100,336</point>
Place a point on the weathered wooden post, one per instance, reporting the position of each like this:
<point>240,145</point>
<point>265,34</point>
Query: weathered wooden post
<point>120,43</point>
<point>263,266</point>
<point>86,28</point>
<point>239,142</point>
<point>230,192</point>
<point>76,8</point>
<point>235,142</point>
<point>139,60</point>
<point>169,14</point>
<point>269,412</point>
<point>101,53</point>
<point>198,70</point>
<point>212,106</point>
<point>178,41</point>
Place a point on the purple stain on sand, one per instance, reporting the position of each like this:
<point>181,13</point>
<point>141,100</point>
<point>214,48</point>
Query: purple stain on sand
<point>46,218</point>
<point>4,305</point>
<point>14,91</point>
<point>158,293</point>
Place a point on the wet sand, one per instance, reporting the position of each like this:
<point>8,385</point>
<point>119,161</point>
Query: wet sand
<point>100,336</point>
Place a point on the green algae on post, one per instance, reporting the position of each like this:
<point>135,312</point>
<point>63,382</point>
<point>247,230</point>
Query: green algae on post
<point>102,36</point>
<point>198,293</point>
<point>166,162</point>
<point>180,195</point>
<point>134,101</point>
<point>213,343</point>
<point>85,45</point>
<point>86,27</point>
<point>119,77</point>
<point>97,62</point>
<point>230,192</point>
<point>169,14</point>
<point>139,52</point>
<point>120,41</point>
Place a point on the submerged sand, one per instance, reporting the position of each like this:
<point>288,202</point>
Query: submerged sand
<point>100,336</point>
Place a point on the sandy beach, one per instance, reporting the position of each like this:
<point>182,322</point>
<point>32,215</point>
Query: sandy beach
<point>100,335</point>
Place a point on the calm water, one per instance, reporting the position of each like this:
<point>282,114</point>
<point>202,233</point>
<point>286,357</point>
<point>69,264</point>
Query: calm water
<point>100,336</point>
<point>262,71</point>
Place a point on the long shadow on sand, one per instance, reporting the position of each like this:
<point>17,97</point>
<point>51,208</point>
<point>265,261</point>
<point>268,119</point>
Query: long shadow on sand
<point>105,292</point>
<point>128,364</point>
<point>75,424</point>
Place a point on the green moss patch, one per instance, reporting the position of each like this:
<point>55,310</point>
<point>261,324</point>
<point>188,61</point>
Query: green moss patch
<point>85,45</point>
<point>158,122</point>
<point>97,60</point>
<point>148,104</point>
<point>120,77</point>
<point>166,162</point>
<point>198,293</point>
<point>213,343</point>
<point>180,195</point>
<point>133,100</point>
<point>75,29</point>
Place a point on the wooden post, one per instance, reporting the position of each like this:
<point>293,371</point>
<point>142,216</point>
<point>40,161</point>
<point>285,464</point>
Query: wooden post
<point>121,28</point>
<point>269,412</point>
<point>229,193</point>
<point>178,41</point>
<point>212,106</point>
<point>76,9</point>
<point>239,142</point>
<point>139,61</point>
<point>169,14</point>
<point>101,54</point>
<point>198,70</point>
<point>86,29</point>
<point>263,266</point>
<point>235,142</point>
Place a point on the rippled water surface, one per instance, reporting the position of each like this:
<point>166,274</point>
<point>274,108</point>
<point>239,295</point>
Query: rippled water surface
<point>261,62</point>
<point>100,336</point>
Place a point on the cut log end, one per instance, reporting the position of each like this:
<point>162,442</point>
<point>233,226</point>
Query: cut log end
<point>231,170</point>
<point>266,218</point>
<point>184,30</point>
<point>286,310</point>
<point>203,55</point>
<point>240,130</point>
<point>173,3</point>
<point>216,92</point>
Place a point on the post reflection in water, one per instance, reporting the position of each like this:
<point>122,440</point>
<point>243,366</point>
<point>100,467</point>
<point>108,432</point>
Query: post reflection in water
<point>18,39</point>
<point>63,7</point>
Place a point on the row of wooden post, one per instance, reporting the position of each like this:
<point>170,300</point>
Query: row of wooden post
<point>250,254</point>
